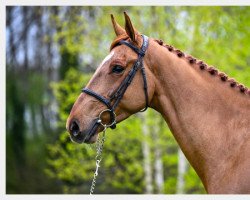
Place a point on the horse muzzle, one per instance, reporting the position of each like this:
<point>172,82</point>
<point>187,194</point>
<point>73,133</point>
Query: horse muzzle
<point>85,136</point>
<point>97,125</point>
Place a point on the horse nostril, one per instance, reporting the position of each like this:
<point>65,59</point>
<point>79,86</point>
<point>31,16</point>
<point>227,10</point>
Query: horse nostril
<point>74,129</point>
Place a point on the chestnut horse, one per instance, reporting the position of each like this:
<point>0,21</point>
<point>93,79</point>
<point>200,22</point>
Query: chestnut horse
<point>207,112</point>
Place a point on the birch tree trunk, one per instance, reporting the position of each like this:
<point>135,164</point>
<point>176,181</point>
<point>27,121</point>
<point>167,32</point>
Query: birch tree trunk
<point>146,155</point>
<point>159,178</point>
<point>182,163</point>
<point>158,164</point>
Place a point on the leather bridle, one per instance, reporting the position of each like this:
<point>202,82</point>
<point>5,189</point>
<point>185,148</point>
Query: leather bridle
<point>116,97</point>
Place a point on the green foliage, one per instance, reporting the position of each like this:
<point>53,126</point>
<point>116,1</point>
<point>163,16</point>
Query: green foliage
<point>194,185</point>
<point>24,163</point>
<point>66,92</point>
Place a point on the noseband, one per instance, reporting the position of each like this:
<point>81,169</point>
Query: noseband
<point>117,96</point>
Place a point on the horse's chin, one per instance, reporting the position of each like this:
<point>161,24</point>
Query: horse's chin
<point>92,139</point>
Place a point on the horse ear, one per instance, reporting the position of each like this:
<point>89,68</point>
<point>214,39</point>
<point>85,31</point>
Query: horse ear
<point>129,28</point>
<point>117,28</point>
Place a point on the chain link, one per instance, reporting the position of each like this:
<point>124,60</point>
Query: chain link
<point>99,148</point>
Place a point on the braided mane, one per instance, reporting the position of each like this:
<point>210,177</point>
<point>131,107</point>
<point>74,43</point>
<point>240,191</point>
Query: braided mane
<point>203,66</point>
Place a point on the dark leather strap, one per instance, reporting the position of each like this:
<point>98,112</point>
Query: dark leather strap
<point>145,43</point>
<point>124,85</point>
<point>104,101</point>
<point>145,87</point>
<point>92,130</point>
<point>98,96</point>
<point>139,63</point>
<point>138,51</point>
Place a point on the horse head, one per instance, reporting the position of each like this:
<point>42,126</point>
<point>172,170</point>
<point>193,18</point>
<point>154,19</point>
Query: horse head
<point>121,86</point>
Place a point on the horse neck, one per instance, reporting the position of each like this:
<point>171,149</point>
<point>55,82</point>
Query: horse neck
<point>201,110</point>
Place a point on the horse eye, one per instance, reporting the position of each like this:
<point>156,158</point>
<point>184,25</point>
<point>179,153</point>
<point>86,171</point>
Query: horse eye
<point>117,69</point>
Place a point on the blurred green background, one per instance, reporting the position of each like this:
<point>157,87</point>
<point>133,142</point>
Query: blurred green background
<point>51,54</point>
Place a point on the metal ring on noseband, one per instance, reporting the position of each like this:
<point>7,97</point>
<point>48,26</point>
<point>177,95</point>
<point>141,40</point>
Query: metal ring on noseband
<point>100,118</point>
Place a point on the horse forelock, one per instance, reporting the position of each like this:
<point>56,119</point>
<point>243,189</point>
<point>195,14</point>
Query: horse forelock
<point>118,39</point>
<point>203,66</point>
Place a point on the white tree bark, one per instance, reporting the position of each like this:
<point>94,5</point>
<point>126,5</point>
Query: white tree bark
<point>158,164</point>
<point>159,178</point>
<point>146,156</point>
<point>182,163</point>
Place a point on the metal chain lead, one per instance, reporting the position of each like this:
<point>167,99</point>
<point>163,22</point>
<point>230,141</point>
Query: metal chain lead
<point>100,144</point>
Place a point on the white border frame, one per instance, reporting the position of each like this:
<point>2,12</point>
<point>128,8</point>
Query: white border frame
<point>3,5</point>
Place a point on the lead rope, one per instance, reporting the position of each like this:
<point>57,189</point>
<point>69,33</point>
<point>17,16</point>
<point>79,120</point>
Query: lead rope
<point>100,144</point>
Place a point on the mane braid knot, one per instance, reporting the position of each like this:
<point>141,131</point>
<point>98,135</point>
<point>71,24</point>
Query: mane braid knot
<point>232,82</point>
<point>223,76</point>
<point>191,59</point>
<point>242,88</point>
<point>212,71</point>
<point>179,53</point>
<point>202,65</point>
